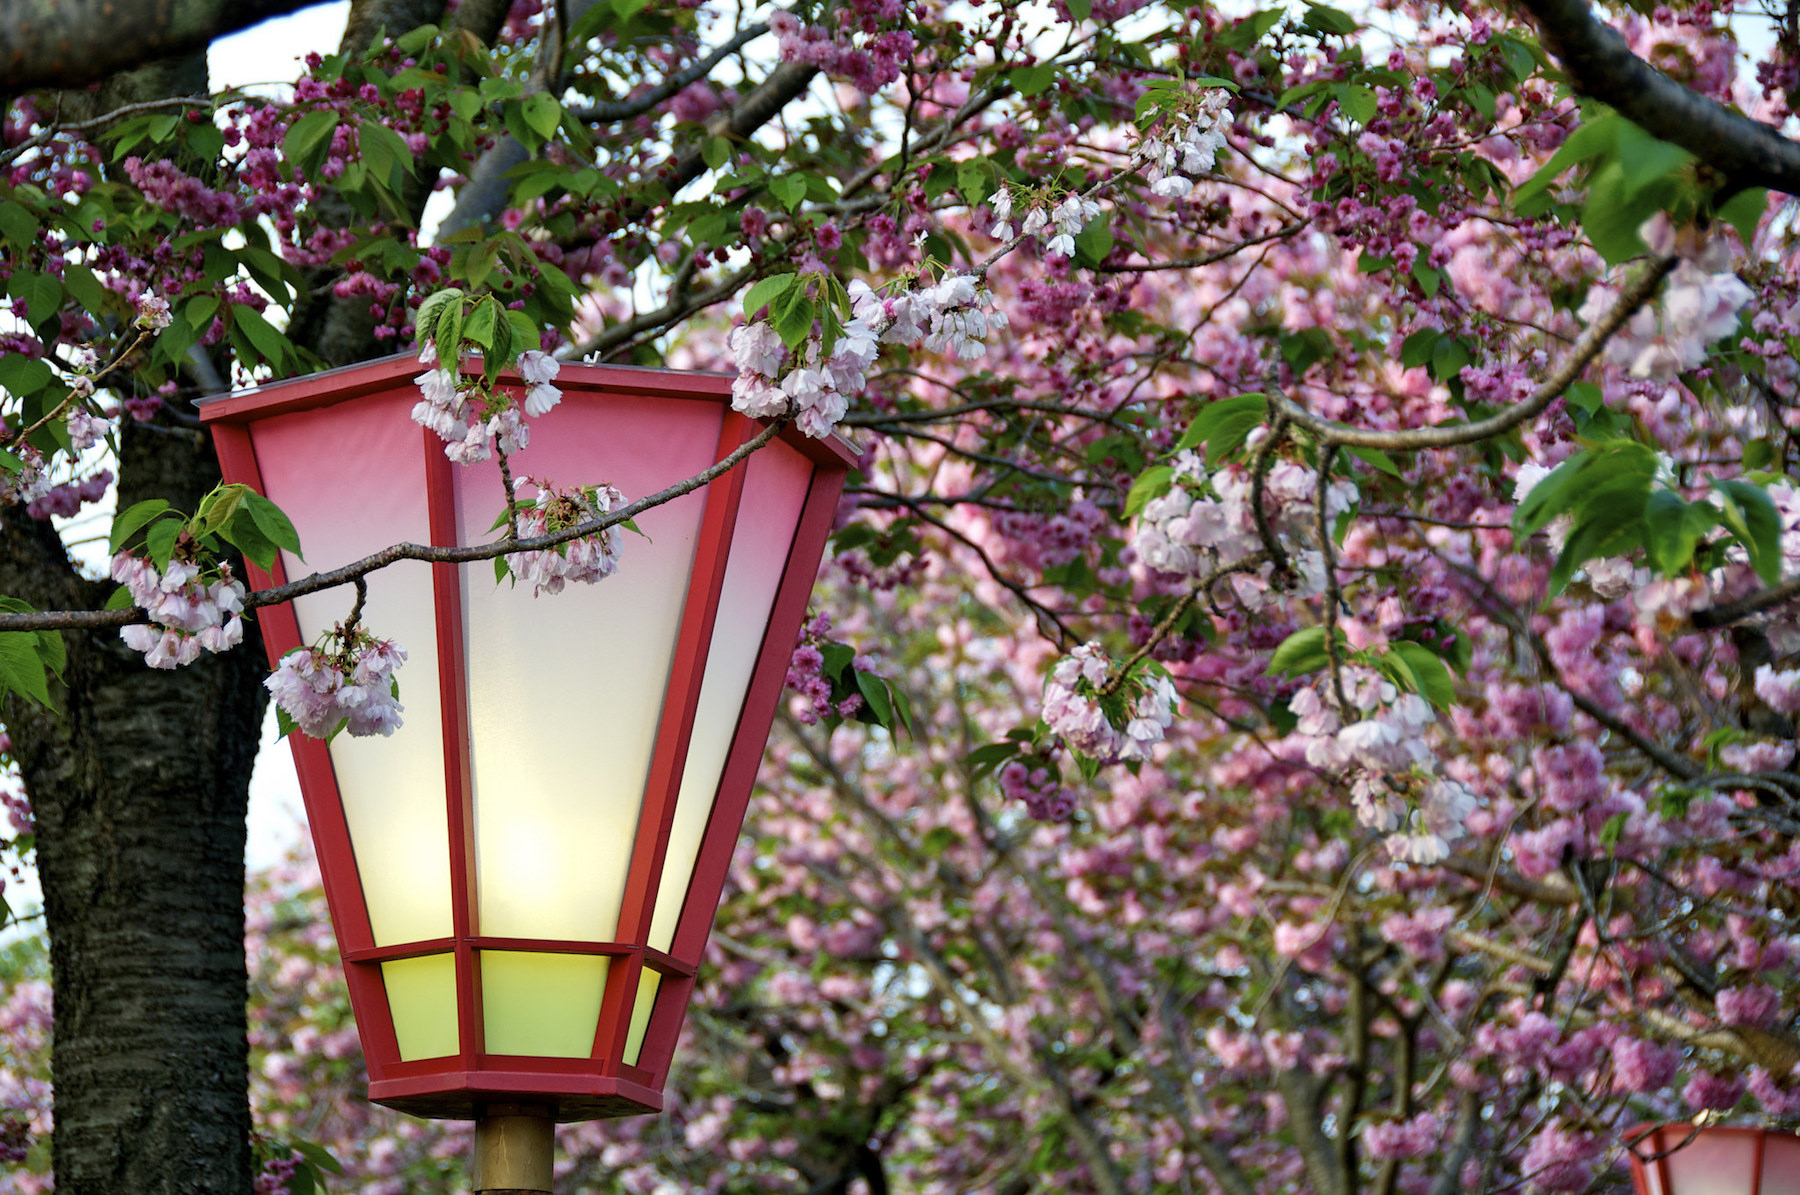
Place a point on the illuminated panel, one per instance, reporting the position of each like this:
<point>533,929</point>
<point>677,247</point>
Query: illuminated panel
<point>566,689</point>
<point>422,997</point>
<point>546,1005</point>
<point>392,788</point>
<point>774,491</point>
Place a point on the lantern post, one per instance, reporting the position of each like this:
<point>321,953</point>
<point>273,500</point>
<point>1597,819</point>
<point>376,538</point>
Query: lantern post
<point>523,876</point>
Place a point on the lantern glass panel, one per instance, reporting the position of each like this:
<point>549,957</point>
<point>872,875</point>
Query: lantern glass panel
<point>775,487</point>
<point>1781,1165</point>
<point>421,994</point>
<point>546,1005</point>
<point>558,781</point>
<point>392,788</point>
<point>648,983</point>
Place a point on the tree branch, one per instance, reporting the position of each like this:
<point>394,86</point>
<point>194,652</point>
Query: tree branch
<point>71,43</point>
<point>1584,350</point>
<point>1600,64</point>
<point>667,89</point>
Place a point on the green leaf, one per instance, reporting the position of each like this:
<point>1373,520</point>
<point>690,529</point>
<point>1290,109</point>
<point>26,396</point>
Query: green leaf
<point>1744,211</point>
<point>318,1156</point>
<point>272,522</point>
<point>479,327</point>
<point>159,541</point>
<point>1434,681</point>
<point>1750,516</point>
<point>1030,80</point>
<point>273,346</point>
<point>22,375</point>
<point>22,667</point>
<point>449,333</point>
<point>120,600</point>
<point>308,138</point>
<point>789,189</point>
<point>80,282</point>
<point>1301,653</point>
<point>1358,102</point>
<point>836,657</point>
<point>767,290</point>
<point>18,225</point>
<point>983,761</point>
<point>1223,425</point>
<point>385,151</point>
<point>794,319</point>
<point>1643,159</point>
<point>543,113</point>
<point>128,521</point>
<point>1325,19</point>
<point>715,152</point>
<point>1448,357</point>
<point>1672,527</point>
<point>1375,457</point>
<point>874,692</point>
<point>432,307</point>
<point>1095,242</point>
<point>1591,139</point>
<point>1151,483</point>
<point>42,294</point>
<point>1079,10</point>
<point>199,311</point>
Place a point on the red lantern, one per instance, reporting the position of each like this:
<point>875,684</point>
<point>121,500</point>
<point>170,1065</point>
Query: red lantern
<point>523,876</point>
<point>1683,1159</point>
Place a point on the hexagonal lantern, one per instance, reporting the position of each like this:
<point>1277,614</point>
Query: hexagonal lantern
<point>522,878</point>
<point>1684,1159</point>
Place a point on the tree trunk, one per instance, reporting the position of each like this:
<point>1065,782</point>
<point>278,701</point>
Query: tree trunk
<point>140,789</point>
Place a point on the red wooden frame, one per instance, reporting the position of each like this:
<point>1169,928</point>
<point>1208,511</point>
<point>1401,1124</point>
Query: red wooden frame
<point>603,1084</point>
<point>1649,1148</point>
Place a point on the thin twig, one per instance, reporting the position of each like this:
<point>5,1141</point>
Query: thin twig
<point>638,105</point>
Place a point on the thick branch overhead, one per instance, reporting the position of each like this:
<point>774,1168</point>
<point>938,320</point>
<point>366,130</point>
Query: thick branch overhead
<point>71,43</point>
<point>1601,65</point>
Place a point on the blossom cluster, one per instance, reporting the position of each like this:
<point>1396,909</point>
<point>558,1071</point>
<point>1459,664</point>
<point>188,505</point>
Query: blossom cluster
<point>1185,146</point>
<point>1075,708</point>
<point>587,559</point>
<point>1206,522</point>
<point>816,386</point>
<point>474,421</point>
<point>1068,218</point>
<point>1378,745</point>
<point>954,316</point>
<point>188,614</point>
<point>347,683</point>
<point>1700,305</point>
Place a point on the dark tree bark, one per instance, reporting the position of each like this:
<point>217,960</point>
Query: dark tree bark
<point>71,43</point>
<point>140,788</point>
<point>1600,64</point>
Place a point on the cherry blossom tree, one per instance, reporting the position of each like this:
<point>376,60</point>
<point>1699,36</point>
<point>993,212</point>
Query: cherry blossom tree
<point>1302,694</point>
